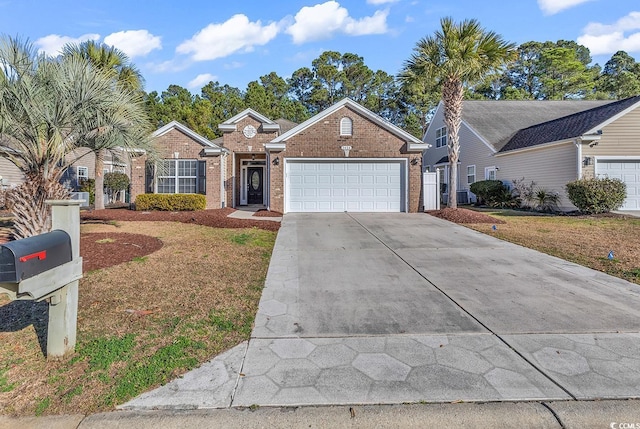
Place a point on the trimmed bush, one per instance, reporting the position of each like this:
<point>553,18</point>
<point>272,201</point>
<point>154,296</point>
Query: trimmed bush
<point>488,191</point>
<point>600,195</point>
<point>170,202</point>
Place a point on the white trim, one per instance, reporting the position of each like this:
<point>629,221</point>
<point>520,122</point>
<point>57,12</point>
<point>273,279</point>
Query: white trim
<point>403,161</point>
<point>223,171</point>
<point>345,122</point>
<point>489,169</point>
<point>78,167</point>
<point>177,125</point>
<point>244,185</point>
<point>378,120</point>
<point>536,147</point>
<point>443,135</point>
<point>600,126</point>
<point>214,150</point>
<point>274,147</point>
<point>579,148</point>
<point>230,124</point>
<point>621,158</point>
<point>475,174</point>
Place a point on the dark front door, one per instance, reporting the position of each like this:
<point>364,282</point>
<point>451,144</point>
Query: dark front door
<point>254,185</point>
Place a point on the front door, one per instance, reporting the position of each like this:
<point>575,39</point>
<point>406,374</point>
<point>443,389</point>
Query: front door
<point>254,185</point>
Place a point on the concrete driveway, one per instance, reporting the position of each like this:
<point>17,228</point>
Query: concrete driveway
<point>388,308</point>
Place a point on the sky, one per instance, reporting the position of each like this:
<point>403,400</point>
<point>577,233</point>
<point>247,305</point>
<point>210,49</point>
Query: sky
<point>192,42</point>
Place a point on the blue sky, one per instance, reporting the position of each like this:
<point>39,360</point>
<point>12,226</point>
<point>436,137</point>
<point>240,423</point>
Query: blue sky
<point>191,42</point>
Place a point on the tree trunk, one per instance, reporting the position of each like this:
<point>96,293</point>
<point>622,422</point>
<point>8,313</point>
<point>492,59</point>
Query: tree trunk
<point>452,96</point>
<point>99,180</point>
<point>31,215</point>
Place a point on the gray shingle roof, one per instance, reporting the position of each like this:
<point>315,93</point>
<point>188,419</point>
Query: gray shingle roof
<point>499,121</point>
<point>285,125</point>
<point>567,127</point>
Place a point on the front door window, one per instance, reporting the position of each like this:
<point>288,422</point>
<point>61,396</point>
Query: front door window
<point>255,185</point>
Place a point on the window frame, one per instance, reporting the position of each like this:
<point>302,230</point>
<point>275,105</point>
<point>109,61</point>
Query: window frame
<point>82,177</point>
<point>441,137</point>
<point>346,120</point>
<point>488,171</point>
<point>177,179</point>
<point>469,175</point>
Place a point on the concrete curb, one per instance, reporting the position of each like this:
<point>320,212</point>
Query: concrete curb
<point>559,414</point>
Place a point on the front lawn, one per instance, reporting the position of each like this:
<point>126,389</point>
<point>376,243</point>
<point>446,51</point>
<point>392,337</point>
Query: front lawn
<point>586,240</point>
<point>140,323</point>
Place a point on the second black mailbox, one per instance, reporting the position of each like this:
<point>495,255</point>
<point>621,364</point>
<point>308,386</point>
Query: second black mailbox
<point>28,257</point>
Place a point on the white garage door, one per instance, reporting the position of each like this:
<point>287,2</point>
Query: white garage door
<point>338,186</point>
<point>629,172</point>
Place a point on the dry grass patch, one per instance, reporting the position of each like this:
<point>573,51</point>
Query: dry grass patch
<point>586,240</point>
<point>141,323</point>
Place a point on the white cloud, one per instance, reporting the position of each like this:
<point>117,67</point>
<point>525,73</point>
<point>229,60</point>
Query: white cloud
<point>324,20</point>
<point>134,43</point>
<point>376,2</point>
<point>233,65</point>
<point>53,43</point>
<point>237,34</point>
<point>551,7</point>
<point>201,80</point>
<point>610,38</point>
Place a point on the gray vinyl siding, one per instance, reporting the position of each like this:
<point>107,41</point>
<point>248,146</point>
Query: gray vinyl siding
<point>433,154</point>
<point>10,173</point>
<point>551,167</point>
<point>619,138</point>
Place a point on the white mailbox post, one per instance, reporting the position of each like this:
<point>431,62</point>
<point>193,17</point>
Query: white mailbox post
<point>48,267</point>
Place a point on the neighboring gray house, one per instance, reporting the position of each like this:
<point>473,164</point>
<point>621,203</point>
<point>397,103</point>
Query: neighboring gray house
<point>548,142</point>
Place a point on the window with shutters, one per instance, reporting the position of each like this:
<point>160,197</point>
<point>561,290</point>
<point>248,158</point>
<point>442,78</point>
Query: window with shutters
<point>346,127</point>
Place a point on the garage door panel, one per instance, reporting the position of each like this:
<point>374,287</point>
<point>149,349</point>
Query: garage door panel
<point>629,172</point>
<point>336,186</point>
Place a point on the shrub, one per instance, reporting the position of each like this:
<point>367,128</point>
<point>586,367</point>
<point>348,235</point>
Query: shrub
<point>505,199</point>
<point>599,195</point>
<point>171,202</point>
<point>524,191</point>
<point>488,191</point>
<point>544,200</point>
<point>89,185</point>
<point>114,183</point>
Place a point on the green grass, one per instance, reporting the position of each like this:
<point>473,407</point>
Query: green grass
<point>103,352</point>
<point>254,237</point>
<point>5,386</point>
<point>157,369</point>
<point>105,240</point>
<point>42,405</point>
<point>140,259</point>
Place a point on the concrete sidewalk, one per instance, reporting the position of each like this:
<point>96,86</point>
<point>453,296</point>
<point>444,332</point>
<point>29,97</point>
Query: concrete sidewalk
<point>567,415</point>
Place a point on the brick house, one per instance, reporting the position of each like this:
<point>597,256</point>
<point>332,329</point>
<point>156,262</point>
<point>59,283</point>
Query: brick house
<point>345,158</point>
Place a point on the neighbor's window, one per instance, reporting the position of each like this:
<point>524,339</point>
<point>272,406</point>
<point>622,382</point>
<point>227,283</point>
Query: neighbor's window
<point>490,173</point>
<point>346,127</point>
<point>180,176</point>
<point>82,173</point>
<point>471,174</point>
<point>441,137</point>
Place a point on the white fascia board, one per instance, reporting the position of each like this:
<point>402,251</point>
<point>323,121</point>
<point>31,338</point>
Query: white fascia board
<point>598,128</point>
<point>417,147</point>
<point>275,147</point>
<point>188,131</point>
<point>214,150</point>
<point>590,137</point>
<point>248,112</point>
<point>358,108</point>
<point>227,128</point>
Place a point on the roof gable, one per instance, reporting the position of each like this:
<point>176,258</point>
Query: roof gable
<point>414,142</point>
<point>571,126</point>
<point>185,130</point>
<point>267,124</point>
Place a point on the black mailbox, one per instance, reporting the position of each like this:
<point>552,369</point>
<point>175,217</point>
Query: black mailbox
<point>22,259</point>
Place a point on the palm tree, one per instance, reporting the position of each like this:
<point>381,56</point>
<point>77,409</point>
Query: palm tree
<point>114,63</point>
<point>47,108</point>
<point>455,56</point>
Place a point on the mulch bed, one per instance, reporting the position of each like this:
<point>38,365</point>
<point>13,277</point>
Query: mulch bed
<point>267,213</point>
<point>106,249</point>
<point>464,216</point>
<point>216,218</point>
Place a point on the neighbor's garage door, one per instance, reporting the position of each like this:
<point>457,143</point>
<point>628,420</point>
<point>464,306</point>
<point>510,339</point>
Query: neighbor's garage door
<point>338,186</point>
<point>629,172</point>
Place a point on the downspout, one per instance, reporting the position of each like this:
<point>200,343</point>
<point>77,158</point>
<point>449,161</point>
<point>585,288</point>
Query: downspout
<point>233,181</point>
